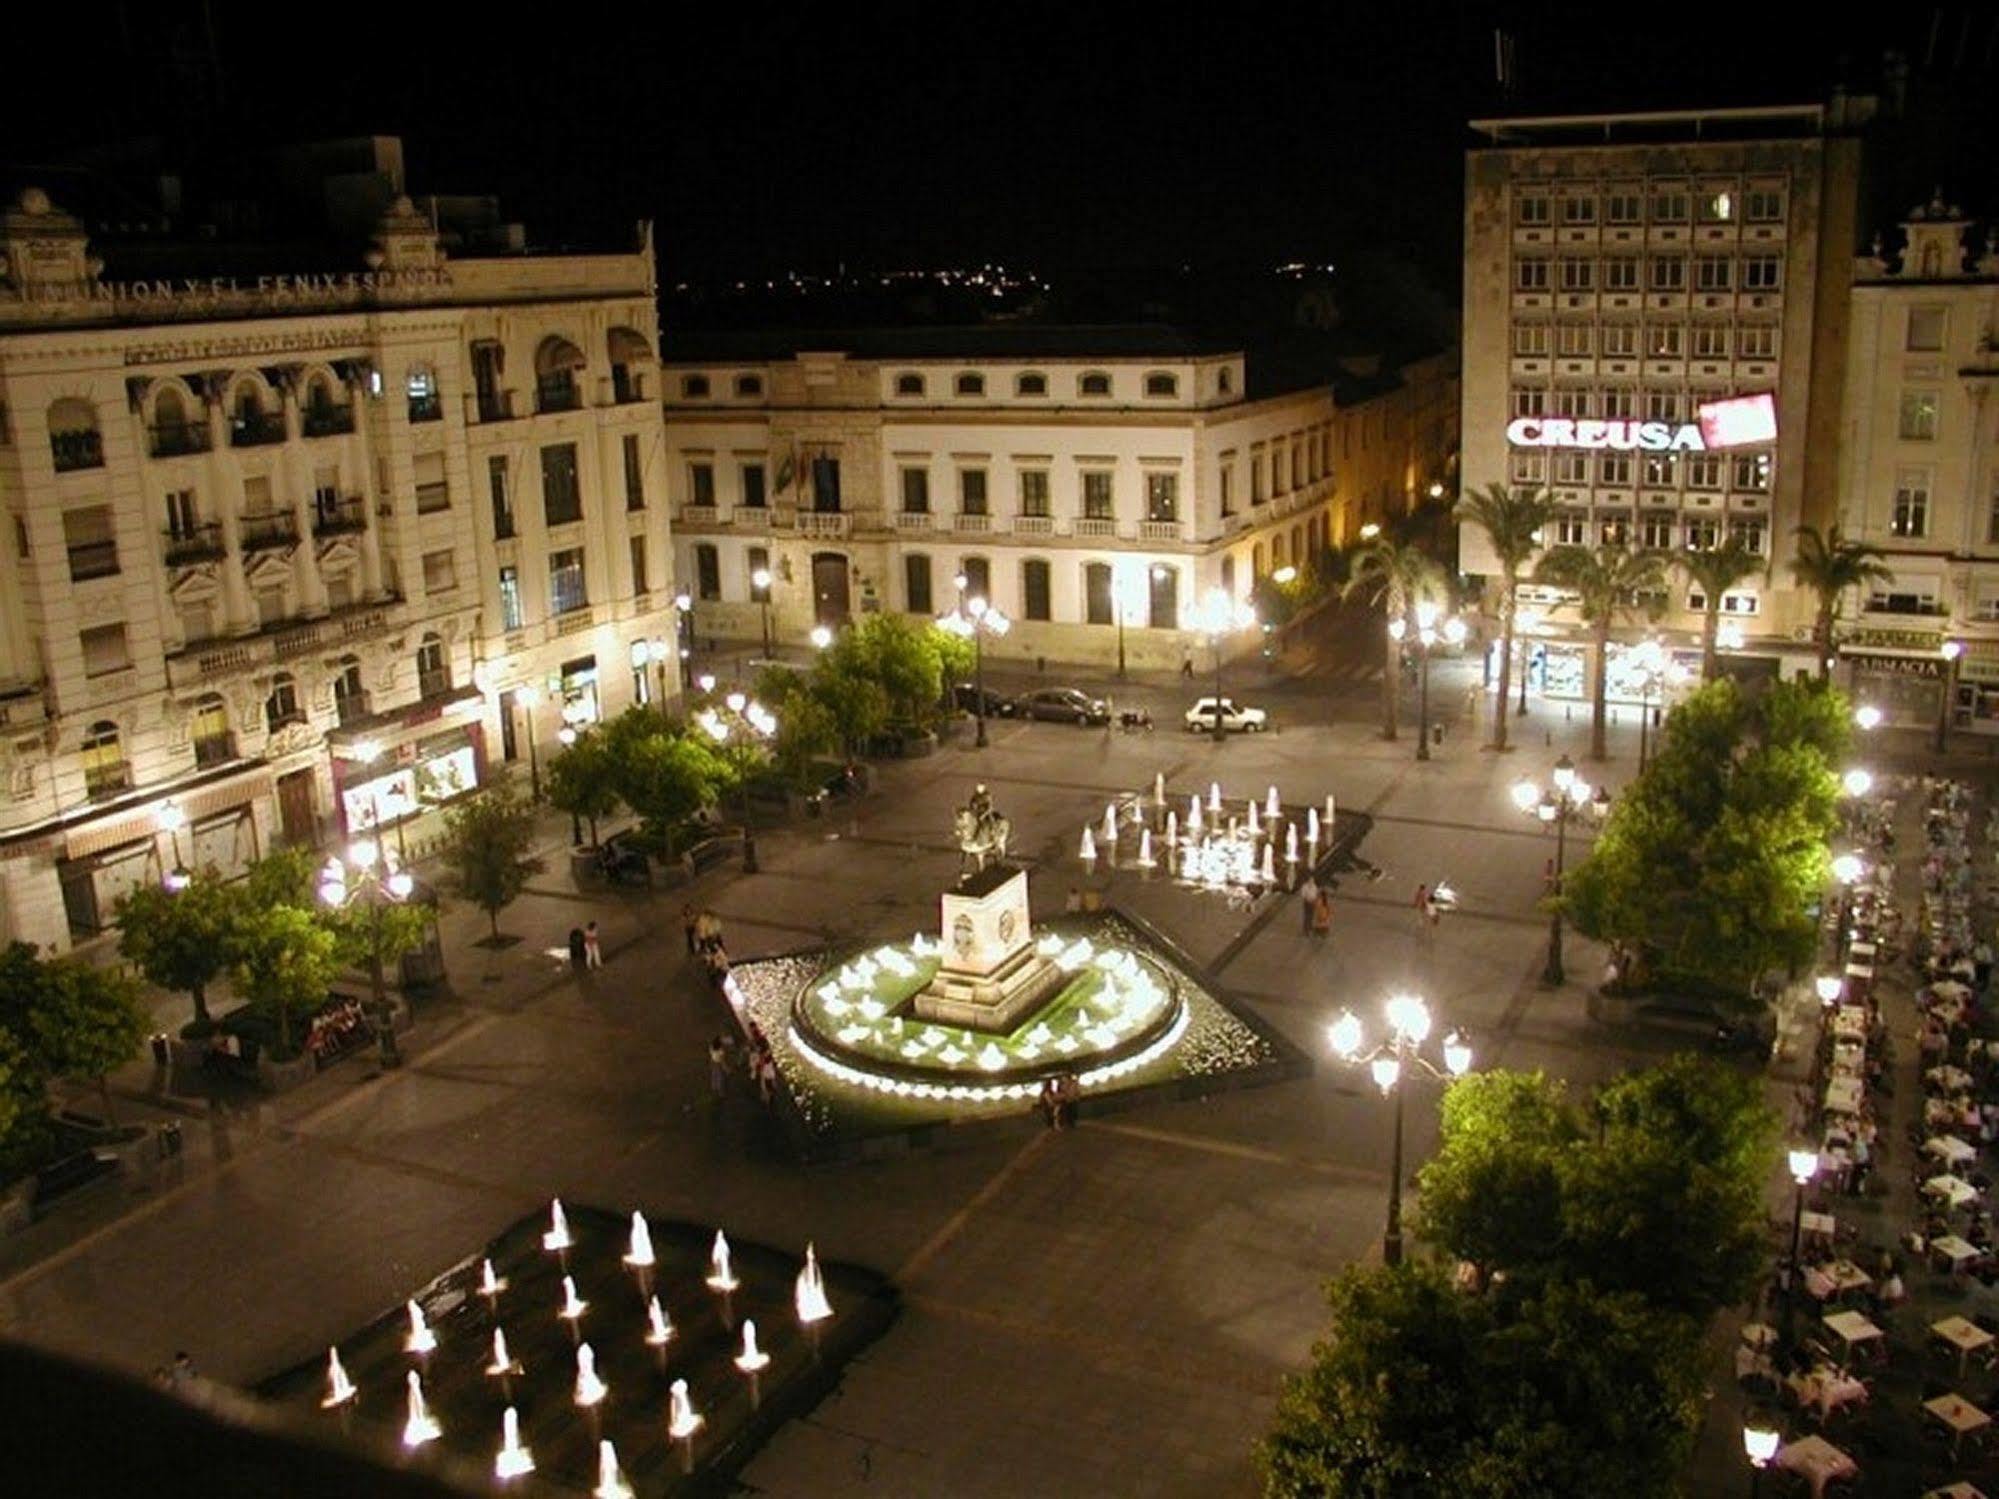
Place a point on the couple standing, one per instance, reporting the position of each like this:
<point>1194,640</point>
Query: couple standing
<point>1315,909</point>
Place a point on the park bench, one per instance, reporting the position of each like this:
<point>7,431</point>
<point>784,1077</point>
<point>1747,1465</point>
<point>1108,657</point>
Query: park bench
<point>77,1169</point>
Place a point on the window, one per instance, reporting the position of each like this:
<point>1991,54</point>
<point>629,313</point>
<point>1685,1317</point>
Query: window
<point>1756,340</point>
<point>1655,530</point>
<point>1620,340</point>
<point>566,590</point>
<point>1572,468</point>
<point>751,476</point>
<point>693,387</point>
<point>1225,483</point>
<point>1528,400</point>
<point>1669,206</point>
<point>1160,384</point>
<point>440,571</point>
<point>916,582</point>
<point>971,491</point>
<point>1570,401</point>
<point>1526,466</point>
<point>1911,516</point>
<point>1097,593</point>
<point>1703,470</point>
<point>1162,497</point>
<point>433,492</point>
<point>1614,531</point>
<point>1713,273</point>
<point>1578,210</point>
<point>639,588</point>
<point>1662,340</point>
<point>1661,469</point>
<point>1763,205</point>
<point>281,707</point>
<point>1620,273</point>
<point>748,386</point>
<point>1095,383</point>
<point>1571,529</point>
<point>1620,404</point>
<point>104,650</point>
<point>1578,275</point>
<point>1531,208</point>
<point>701,484</point>
<point>1710,340</point>
<point>1228,575</point>
<point>433,668</point>
<point>1256,495</point>
<point>1747,532</point>
<point>1034,491</point>
<point>635,484</point>
<point>1530,340</point>
<point>1751,472</point>
<point>909,384</point>
<point>510,598</point>
<point>209,729</point>
<point>1162,611</point>
<point>757,560</point>
<point>1530,275</point>
<point>969,385</point>
<point>1662,406</point>
<point>1919,416</point>
<point>1573,339</point>
<point>488,358</point>
<point>561,496</point>
<point>1669,273</point>
<point>916,491</point>
<point>1613,469</point>
<point>1033,383</point>
<point>1034,589</point>
<point>426,404</point>
<point>1097,501</point>
<point>1224,381</point>
<point>503,501</point>
<point>1717,207</point>
<point>1622,207</point>
<point>1992,518</point>
<point>707,572</point>
<point>978,576</point>
<point>1703,533</point>
<point>104,770</point>
<point>93,551</point>
<point>1762,273</point>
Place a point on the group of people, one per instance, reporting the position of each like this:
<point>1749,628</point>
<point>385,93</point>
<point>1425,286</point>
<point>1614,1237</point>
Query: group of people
<point>759,1064</point>
<point>586,951</point>
<point>1057,1102</point>
<point>1315,909</point>
<point>704,942</point>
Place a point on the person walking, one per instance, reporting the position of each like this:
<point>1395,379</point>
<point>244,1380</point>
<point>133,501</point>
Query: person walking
<point>718,1067</point>
<point>1322,916</point>
<point>689,921</point>
<point>593,950</point>
<point>579,954</point>
<point>1308,904</point>
<point>1422,901</point>
<point>1186,664</point>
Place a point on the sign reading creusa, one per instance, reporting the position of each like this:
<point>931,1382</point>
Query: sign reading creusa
<point>1733,423</point>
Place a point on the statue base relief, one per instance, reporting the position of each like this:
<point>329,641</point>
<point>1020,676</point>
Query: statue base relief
<point>991,977</point>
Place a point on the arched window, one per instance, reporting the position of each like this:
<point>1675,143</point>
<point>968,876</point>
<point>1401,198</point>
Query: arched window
<point>1277,550</point>
<point>249,423</point>
<point>1159,383</point>
<point>74,440</point>
<point>978,575</point>
<point>1097,606</point>
<point>1256,564</point>
<point>630,353</point>
<point>350,699</point>
<point>281,707</point>
<point>749,386</point>
<point>433,667</point>
<point>1034,589</point>
<point>324,413</point>
<point>104,770</point>
<point>172,431</point>
<point>693,387</point>
<point>1228,575</point>
<point>970,384</point>
<point>1033,383</point>
<point>209,729</point>
<point>707,571</point>
<point>909,383</point>
<point>1163,599</point>
<point>1094,383</point>
<point>556,362</point>
<point>916,582</point>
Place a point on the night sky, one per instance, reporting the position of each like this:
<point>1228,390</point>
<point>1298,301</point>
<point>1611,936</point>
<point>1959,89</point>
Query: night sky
<point>902,134</point>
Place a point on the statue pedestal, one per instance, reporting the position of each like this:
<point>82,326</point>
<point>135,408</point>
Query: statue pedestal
<point>991,976</point>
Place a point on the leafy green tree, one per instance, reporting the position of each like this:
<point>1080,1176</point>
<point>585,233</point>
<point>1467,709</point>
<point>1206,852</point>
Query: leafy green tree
<point>177,938</point>
<point>669,777</point>
<point>1397,575</point>
<point>955,657</point>
<point>585,779</point>
<point>1512,519</point>
<point>1714,571</point>
<point>489,847</point>
<point>22,1112</point>
<point>1609,583</point>
<point>1492,1192</point>
<point>1832,566</point>
<point>284,959</point>
<point>286,876</point>
<point>905,658</point>
<point>88,1022</point>
<point>857,704</point>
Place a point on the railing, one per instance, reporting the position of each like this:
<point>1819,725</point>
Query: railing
<point>93,559</point>
<point>495,405</point>
<point>757,516</point>
<point>75,450</point>
<point>1034,525</point>
<point>256,429</point>
<point>261,532</point>
<point>340,517</point>
<point>350,707</point>
<point>428,408</point>
<point>431,498</point>
<point>1091,525</point>
<point>699,515</point>
<point>214,749</point>
<point>304,639</point>
<point>326,421</point>
<point>174,440</point>
<point>1159,530</point>
<point>967,521</point>
<point>822,522</point>
<point>913,520</point>
<point>433,683</point>
<point>580,618</point>
<point>107,781</point>
<point>558,395</point>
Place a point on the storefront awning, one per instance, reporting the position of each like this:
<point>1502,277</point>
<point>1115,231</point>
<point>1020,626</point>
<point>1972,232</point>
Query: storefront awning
<point>459,703</point>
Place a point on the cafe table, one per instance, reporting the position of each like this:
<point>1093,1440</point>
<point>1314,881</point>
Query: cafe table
<point>1959,1416</point>
<point>1952,1191</point>
<point>1843,1094</point>
<point>1966,1336</point>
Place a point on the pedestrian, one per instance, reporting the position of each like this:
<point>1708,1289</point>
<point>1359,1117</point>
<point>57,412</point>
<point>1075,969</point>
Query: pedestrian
<point>689,920</point>
<point>1322,915</point>
<point>1074,901</point>
<point>1186,664</point>
<point>1423,900</point>
<point>578,949</point>
<point>1432,907</point>
<point>1067,1091</point>
<point>1048,1102</point>
<point>1308,902</point>
<point>593,950</point>
<point>718,1067</point>
<point>766,1071</point>
<point>183,1372</point>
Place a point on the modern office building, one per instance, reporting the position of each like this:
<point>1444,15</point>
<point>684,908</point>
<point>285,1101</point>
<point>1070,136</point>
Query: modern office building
<point>299,538</point>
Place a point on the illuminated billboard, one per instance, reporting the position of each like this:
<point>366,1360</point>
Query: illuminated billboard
<point>1735,422</point>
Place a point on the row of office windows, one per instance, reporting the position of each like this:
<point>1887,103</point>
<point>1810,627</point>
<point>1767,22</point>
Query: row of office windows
<point>1657,273</point>
<point>1653,339</point>
<point>1746,473</point>
<point>1660,532</point>
<point>1660,203</point>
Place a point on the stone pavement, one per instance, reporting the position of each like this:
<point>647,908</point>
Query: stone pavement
<point>1105,1311</point>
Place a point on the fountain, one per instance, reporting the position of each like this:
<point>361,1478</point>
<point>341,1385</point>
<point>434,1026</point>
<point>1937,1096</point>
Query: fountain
<point>1255,828</point>
<point>1290,843</point>
<point>752,1360</point>
<point>720,1276</point>
<point>1172,828</point>
<point>809,1295</point>
<point>1269,870</point>
<point>490,1285</point>
<point>1329,812</point>
<point>557,1240</point>
<point>590,1390</point>
<point>1312,825</point>
<point>1110,822</point>
<point>420,1427</point>
<point>610,1477</point>
<point>573,1306</point>
<point>421,1339</point>
<point>1215,796</point>
<point>1159,788</point>
<point>1272,805</point>
<point>659,1331</point>
<point>1193,817</point>
<point>339,1388</point>
<point>1145,859</point>
<point>1089,850</point>
<point>639,1256</point>
<point>512,1460</point>
<point>682,1421</point>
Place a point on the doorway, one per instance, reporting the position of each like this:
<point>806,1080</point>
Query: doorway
<point>830,604</point>
<point>297,816</point>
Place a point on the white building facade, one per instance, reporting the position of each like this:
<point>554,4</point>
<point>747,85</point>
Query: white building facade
<point>288,555</point>
<point>1097,499</point>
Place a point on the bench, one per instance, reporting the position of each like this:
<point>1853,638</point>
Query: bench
<point>709,852</point>
<point>78,1169</point>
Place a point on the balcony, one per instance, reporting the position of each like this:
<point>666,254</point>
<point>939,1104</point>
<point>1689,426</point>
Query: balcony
<point>335,629</point>
<point>178,439</point>
<point>214,749</point>
<point>190,544</point>
<point>340,517</point>
<point>433,684</point>
<point>256,429</point>
<point>823,522</point>
<point>966,522</point>
<point>700,515</point>
<point>427,408</point>
<point>263,532</point>
<point>913,520</point>
<point>1159,530</point>
<point>495,405</point>
<point>1034,525</point>
<point>558,395</point>
<point>350,707</point>
<point>757,517</point>
<point>574,621</point>
<point>102,782</point>
<point>92,559</point>
<point>326,421</point>
<point>75,450</point>
<point>1093,525</point>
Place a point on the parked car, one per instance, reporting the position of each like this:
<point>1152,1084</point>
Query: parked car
<point>1237,718</point>
<point>1064,705</point>
<point>1693,1017</point>
<point>965,697</point>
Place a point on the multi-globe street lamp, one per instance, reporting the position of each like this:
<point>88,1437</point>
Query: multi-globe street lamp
<point>760,591</point>
<point>367,877</point>
<point>1950,651</point>
<point>1219,614</point>
<point>751,721</point>
<point>974,621</point>
<point>821,637</point>
<point>1867,716</point>
<point>567,736</point>
<point>1760,1443</point>
<point>171,818</point>
<point>1387,1062</point>
<point>1432,626</point>
<point>1568,798</point>
<point>683,635</point>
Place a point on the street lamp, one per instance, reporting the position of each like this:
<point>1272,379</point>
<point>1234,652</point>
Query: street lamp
<point>567,735</point>
<point>528,696</point>
<point>1867,716</point>
<point>978,620</point>
<point>1950,651</point>
<point>366,877</point>
<point>1123,586</point>
<point>821,637</point>
<point>1857,782</point>
<point>1408,1026</point>
<point>741,715</point>
<point>1218,614</point>
<point>171,818</point>
<point>683,635</point>
<point>1760,1443</point>
<point>1369,531</point>
<point>1828,987</point>
<point>658,649</point>
<point>760,586</point>
<point>1804,1166</point>
<point>1432,625</point>
<point>1569,798</point>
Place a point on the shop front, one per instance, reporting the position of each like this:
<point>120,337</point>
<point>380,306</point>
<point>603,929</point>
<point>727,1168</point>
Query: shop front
<point>399,771</point>
<point>1900,672</point>
<point>1559,670</point>
<point>1977,709</point>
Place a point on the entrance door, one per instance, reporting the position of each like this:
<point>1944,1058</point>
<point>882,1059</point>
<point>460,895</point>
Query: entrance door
<point>509,750</point>
<point>296,814</point>
<point>830,606</point>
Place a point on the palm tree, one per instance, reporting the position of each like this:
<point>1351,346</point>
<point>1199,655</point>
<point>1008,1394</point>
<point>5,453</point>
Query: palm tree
<point>1512,520</point>
<point>1714,571</point>
<point>1608,584</point>
<point>1394,574</point>
<point>1828,564</point>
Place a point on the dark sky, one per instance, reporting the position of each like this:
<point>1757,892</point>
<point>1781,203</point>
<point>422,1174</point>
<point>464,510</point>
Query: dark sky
<point>902,134</point>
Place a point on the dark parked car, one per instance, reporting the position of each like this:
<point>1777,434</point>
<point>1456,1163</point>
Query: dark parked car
<point>965,697</point>
<point>1064,705</point>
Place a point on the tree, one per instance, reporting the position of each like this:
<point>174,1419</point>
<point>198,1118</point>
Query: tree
<point>88,1021</point>
<point>284,959</point>
<point>1396,575</point>
<point>287,876</point>
<point>584,779</point>
<point>1512,520</point>
<point>904,658</point>
<point>1715,570</point>
<point>856,704</point>
<point>489,846</point>
<point>670,776</point>
<point>1492,1192</point>
<point>1829,565</point>
<point>176,938</point>
<point>1608,583</point>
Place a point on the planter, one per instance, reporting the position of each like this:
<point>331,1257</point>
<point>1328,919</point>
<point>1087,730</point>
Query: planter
<point>583,867</point>
<point>918,746</point>
<point>186,1055</point>
<point>282,1077</point>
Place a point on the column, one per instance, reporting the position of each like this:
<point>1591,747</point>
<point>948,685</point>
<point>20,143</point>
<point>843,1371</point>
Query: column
<point>295,465</point>
<point>225,500</point>
<point>364,449</point>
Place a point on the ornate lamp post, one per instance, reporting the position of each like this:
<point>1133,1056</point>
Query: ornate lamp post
<point>1524,620</point>
<point>760,589</point>
<point>1569,798</point>
<point>1950,651</point>
<point>1218,614</point>
<point>567,735</point>
<point>1867,716</point>
<point>744,717</point>
<point>529,696</point>
<point>683,635</point>
<point>171,818</point>
<point>1804,1166</point>
<point>1760,1442</point>
<point>1408,1026</point>
<point>367,877</point>
<point>978,620</point>
<point>1432,625</point>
